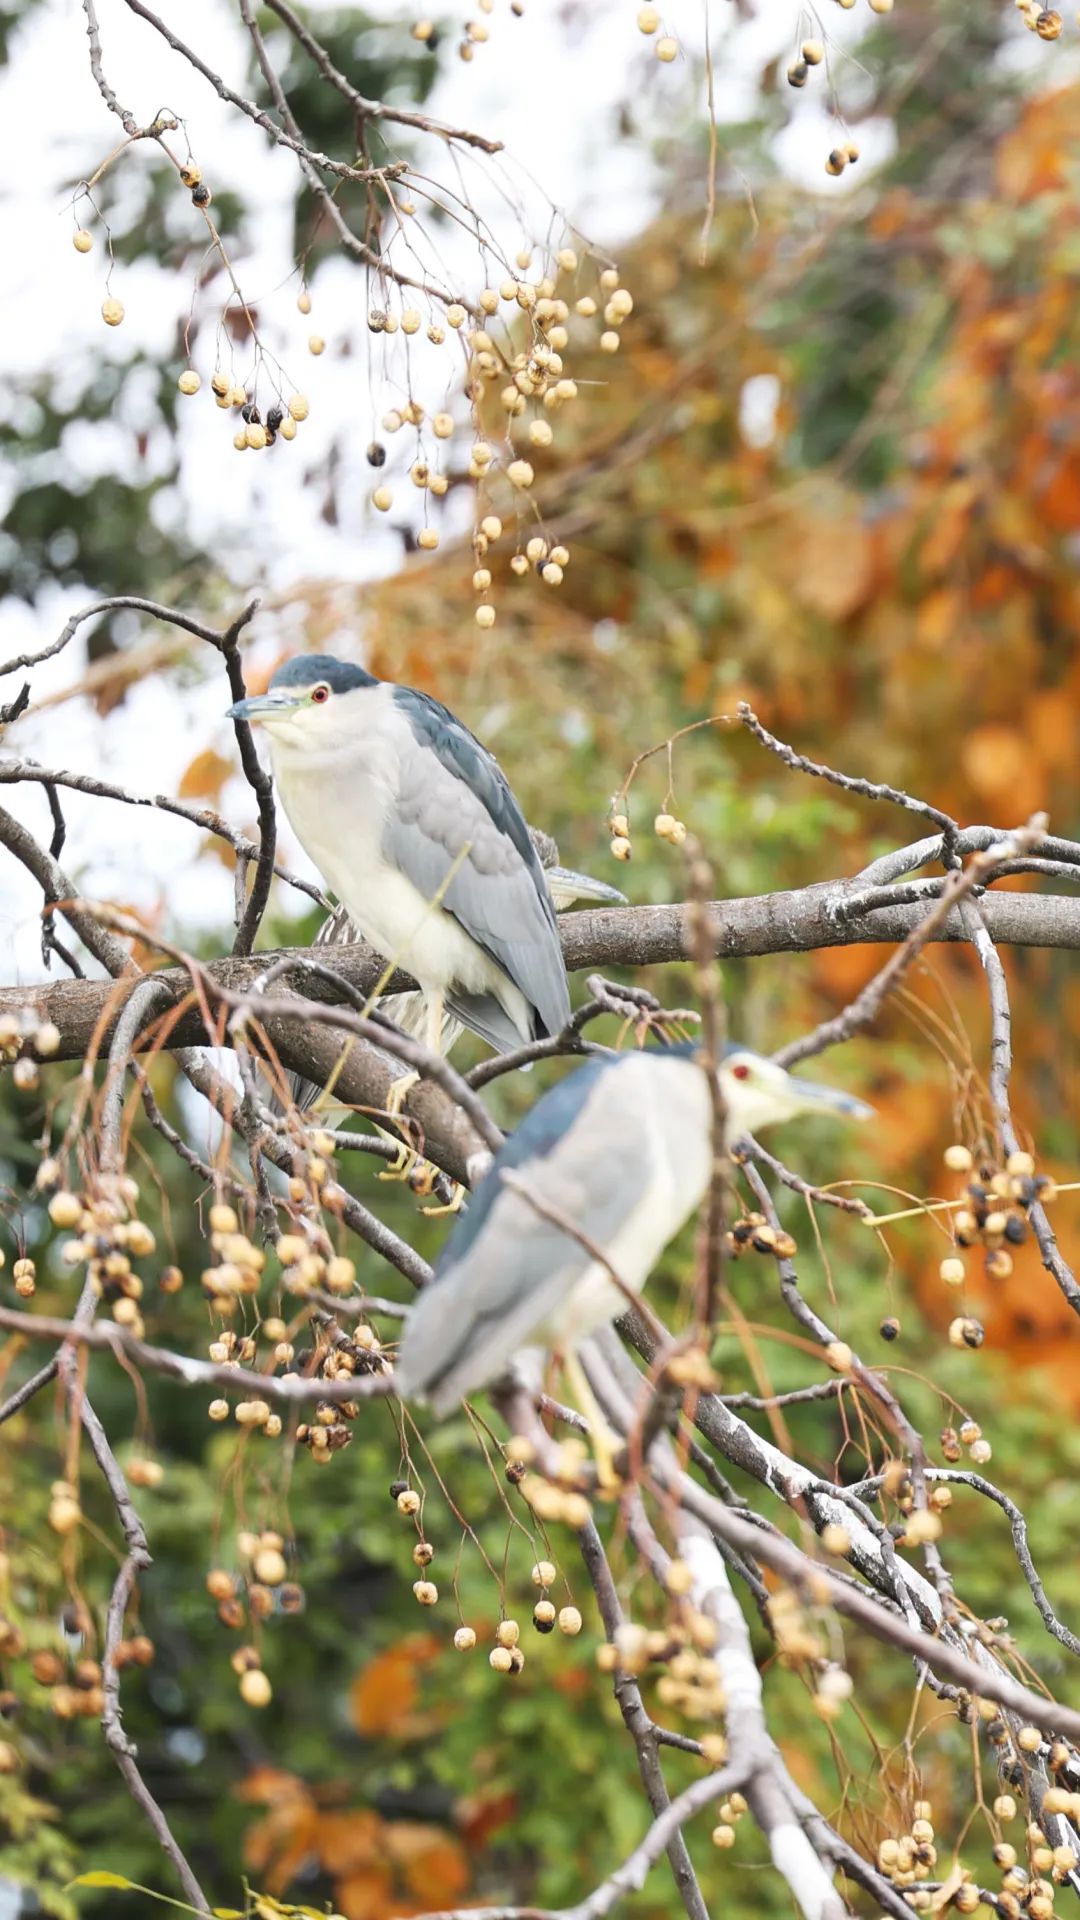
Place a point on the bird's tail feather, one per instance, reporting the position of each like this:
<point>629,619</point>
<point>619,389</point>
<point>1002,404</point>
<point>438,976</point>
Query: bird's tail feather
<point>483,1014</point>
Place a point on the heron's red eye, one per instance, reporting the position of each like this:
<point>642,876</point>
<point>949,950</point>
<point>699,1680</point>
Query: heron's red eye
<point>740,1073</point>
<point>319,694</point>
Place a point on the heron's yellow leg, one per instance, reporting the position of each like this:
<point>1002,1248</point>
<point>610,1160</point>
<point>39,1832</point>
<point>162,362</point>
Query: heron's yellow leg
<point>401,1168</point>
<point>400,1089</point>
<point>453,1205</point>
<point>606,1444</point>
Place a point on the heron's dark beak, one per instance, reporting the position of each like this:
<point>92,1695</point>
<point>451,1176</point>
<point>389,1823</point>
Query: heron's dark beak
<point>567,888</point>
<point>812,1098</point>
<point>263,706</point>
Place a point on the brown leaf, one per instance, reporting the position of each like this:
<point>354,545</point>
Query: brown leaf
<point>205,777</point>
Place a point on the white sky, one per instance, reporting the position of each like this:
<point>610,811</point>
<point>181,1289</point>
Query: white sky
<point>548,85</point>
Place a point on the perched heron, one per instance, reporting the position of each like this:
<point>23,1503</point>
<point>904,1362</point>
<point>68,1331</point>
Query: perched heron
<point>619,1153</point>
<point>407,1010</point>
<point>413,826</point>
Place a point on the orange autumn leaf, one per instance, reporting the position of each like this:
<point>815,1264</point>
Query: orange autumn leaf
<point>366,1894</point>
<point>432,1863</point>
<point>347,1843</point>
<point>835,567</point>
<point>204,778</point>
<point>999,764</point>
<point>482,1814</point>
<point>385,1692</point>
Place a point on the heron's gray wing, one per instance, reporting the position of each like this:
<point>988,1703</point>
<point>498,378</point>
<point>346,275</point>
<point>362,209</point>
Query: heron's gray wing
<point>452,796</point>
<point>506,1269</point>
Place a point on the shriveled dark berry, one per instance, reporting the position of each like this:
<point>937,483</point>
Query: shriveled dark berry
<point>376,454</point>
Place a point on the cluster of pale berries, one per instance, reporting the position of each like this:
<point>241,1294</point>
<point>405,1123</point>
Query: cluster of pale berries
<point>108,1238</point>
<point>992,1215</point>
<point>27,1040</point>
<point>255,430</point>
<point>261,1589</point>
<point>506,1655</point>
<point>1045,21</point>
<point>910,1857</point>
<point>476,33</point>
<point>74,1687</point>
<point>666,826</point>
<point>532,384</point>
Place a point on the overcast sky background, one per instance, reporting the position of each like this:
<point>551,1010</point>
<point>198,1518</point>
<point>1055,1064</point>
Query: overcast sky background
<point>549,86</point>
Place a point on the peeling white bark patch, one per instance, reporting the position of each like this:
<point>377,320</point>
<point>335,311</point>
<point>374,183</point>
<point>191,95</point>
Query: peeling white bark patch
<point>794,1857</point>
<point>712,1593</point>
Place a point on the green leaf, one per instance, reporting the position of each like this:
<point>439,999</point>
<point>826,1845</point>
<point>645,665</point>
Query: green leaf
<point>99,1878</point>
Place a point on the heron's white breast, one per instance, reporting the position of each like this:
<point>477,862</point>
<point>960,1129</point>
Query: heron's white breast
<point>671,1103</point>
<point>338,806</point>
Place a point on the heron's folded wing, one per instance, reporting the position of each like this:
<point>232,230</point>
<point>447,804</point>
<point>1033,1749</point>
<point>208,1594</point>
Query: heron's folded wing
<point>458,834</point>
<point>507,1268</point>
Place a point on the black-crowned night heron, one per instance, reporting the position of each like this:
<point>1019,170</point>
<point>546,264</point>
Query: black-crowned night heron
<point>407,1010</point>
<point>413,826</point>
<point>620,1151</point>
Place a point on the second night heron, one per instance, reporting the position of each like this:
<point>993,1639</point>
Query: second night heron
<point>619,1153</point>
<point>412,824</point>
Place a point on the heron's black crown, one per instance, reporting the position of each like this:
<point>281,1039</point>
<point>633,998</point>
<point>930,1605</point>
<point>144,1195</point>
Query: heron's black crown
<point>307,669</point>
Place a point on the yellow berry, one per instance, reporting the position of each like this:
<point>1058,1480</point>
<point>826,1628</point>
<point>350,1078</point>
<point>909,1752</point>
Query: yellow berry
<point>255,1688</point>
<point>609,342</point>
<point>648,19</point>
<point>570,1621</point>
<point>426,1592</point>
<point>269,1566</point>
<point>287,429</point>
<point>957,1158</point>
<point>953,1272</point>
<point>813,52</point>
<point>383,499</point>
<point>299,407</point>
<point>485,616</point>
<point>428,539</point>
<point>410,321</point>
<point>667,49</point>
<point>520,473</point>
<point>256,435</point>
<point>316,344</point>
<point>501,1659</point>
<point>82,241</point>
<point>65,1209</point>
<point>408,1501</point>
<point>303,300</point>
<point>491,526</point>
<point>112,312</point>
<point>464,1639</point>
<point>620,847</point>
